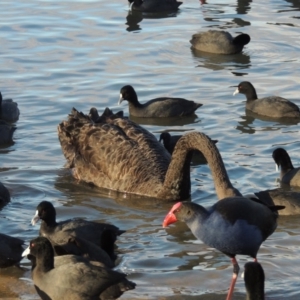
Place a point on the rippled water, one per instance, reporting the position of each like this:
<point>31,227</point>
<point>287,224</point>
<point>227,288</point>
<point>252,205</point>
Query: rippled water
<point>60,54</point>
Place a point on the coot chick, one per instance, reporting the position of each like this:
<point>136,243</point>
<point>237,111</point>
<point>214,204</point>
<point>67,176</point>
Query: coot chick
<point>272,106</point>
<point>102,234</point>
<point>154,6</point>
<point>9,110</point>
<point>10,250</point>
<point>288,174</point>
<point>163,107</point>
<point>219,42</point>
<point>72,277</point>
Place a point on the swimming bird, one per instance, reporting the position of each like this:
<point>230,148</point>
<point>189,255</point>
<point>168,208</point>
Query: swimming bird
<point>9,110</point>
<point>4,195</point>
<point>59,233</point>
<point>288,174</point>
<point>154,6</point>
<point>219,42</point>
<point>170,141</point>
<point>234,225</point>
<point>81,247</point>
<point>72,277</point>
<point>272,106</point>
<point>6,133</point>
<point>254,278</point>
<point>163,107</point>
<point>11,250</point>
<point>131,160</point>
<point>279,196</point>
<point>223,186</point>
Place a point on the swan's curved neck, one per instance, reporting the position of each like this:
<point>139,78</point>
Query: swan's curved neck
<point>177,184</point>
<point>198,141</point>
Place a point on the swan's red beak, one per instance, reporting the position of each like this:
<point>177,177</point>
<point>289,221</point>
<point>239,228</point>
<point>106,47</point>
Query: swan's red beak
<point>170,218</point>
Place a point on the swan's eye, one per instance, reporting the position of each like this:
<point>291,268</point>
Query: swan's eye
<point>188,212</point>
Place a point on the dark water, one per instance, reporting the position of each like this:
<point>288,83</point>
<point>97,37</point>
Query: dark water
<point>60,54</point>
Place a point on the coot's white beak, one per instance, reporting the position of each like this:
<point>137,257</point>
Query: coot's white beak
<point>120,99</point>
<point>236,91</point>
<point>276,166</point>
<point>26,251</point>
<point>35,219</point>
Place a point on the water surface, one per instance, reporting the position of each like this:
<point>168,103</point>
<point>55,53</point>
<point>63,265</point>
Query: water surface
<point>56,55</point>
